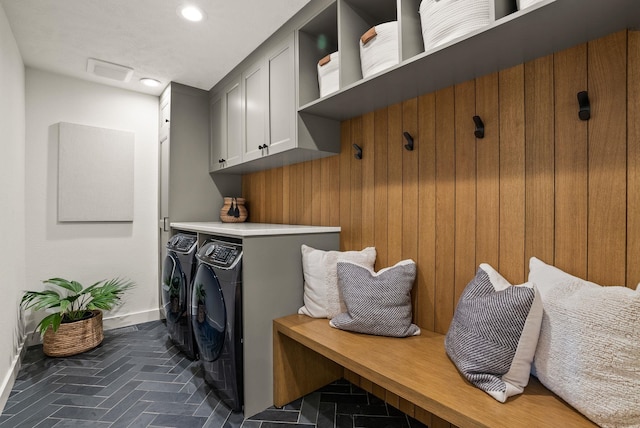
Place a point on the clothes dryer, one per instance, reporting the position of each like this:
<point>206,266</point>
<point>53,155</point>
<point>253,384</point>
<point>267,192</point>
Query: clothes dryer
<point>216,314</point>
<point>177,274</point>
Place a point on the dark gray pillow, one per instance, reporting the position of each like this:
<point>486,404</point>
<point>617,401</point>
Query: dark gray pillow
<point>493,336</point>
<point>377,303</point>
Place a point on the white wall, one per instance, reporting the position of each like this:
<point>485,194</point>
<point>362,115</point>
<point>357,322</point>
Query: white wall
<point>12,205</point>
<point>88,252</point>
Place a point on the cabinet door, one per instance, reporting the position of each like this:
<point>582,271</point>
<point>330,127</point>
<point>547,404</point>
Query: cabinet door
<point>233,108</point>
<point>256,109</point>
<point>282,111</point>
<point>217,144</point>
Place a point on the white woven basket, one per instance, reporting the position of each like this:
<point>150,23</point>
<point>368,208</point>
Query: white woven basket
<point>329,74</point>
<point>382,51</point>
<point>446,20</point>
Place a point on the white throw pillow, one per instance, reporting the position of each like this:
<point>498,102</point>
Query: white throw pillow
<point>589,347</point>
<point>377,303</point>
<point>321,296</point>
<point>493,335</point>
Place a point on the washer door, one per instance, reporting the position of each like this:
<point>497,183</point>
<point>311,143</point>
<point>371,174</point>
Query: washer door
<point>174,289</point>
<point>208,313</point>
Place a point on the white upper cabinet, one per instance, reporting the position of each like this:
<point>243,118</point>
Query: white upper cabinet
<point>256,110</point>
<point>282,103</point>
<point>225,111</point>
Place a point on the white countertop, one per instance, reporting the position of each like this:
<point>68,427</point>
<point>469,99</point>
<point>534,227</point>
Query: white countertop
<point>241,230</point>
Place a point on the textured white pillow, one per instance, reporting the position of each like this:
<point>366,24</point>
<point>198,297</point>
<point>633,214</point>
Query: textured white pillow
<point>377,303</point>
<point>494,332</point>
<point>589,347</point>
<point>321,295</point>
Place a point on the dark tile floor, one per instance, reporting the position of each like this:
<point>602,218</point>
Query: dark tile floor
<point>137,378</point>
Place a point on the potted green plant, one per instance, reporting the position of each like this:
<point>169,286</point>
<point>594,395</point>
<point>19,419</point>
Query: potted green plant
<point>75,326</point>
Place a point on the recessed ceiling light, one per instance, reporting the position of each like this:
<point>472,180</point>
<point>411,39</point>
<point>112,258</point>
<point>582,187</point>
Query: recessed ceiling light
<point>150,82</point>
<point>191,13</point>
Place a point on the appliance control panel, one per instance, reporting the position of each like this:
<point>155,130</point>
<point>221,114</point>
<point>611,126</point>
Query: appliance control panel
<point>182,242</point>
<point>220,254</point>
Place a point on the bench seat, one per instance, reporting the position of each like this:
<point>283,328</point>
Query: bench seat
<point>308,354</point>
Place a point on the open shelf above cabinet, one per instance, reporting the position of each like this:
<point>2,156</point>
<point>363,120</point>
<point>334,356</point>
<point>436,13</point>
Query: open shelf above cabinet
<point>542,29</point>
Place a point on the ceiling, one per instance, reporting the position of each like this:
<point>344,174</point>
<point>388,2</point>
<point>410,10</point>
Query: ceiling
<point>146,35</point>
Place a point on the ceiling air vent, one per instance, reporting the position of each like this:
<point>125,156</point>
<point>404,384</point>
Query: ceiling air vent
<point>109,70</point>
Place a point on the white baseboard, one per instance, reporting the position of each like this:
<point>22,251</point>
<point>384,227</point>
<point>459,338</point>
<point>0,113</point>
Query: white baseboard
<point>12,374</point>
<point>126,320</point>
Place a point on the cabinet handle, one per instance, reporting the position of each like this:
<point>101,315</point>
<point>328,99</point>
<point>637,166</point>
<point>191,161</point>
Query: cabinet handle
<point>221,160</point>
<point>260,147</point>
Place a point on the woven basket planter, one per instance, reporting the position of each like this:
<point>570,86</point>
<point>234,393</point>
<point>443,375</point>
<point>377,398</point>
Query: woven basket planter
<point>74,337</point>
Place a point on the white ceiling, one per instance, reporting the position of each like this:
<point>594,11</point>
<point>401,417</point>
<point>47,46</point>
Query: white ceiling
<point>146,35</point>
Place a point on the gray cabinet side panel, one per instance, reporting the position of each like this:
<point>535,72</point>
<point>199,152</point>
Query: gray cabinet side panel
<point>193,196</point>
<point>272,287</point>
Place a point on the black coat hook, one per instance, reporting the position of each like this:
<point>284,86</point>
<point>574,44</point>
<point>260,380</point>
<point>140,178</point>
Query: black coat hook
<point>409,138</point>
<point>358,153</point>
<point>585,106</point>
<point>479,132</point>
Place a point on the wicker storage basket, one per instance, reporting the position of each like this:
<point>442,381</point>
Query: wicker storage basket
<point>379,48</point>
<point>74,337</point>
<point>237,205</point>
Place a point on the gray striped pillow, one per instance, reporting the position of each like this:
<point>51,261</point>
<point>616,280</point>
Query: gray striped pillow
<point>377,303</point>
<point>493,336</point>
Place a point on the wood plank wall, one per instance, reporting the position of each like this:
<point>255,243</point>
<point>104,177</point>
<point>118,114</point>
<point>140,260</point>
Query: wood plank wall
<point>540,183</point>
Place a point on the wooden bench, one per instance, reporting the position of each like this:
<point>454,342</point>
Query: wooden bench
<point>308,354</point>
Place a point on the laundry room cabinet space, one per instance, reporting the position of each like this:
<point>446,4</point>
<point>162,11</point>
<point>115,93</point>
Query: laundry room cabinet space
<point>254,119</point>
<point>272,287</point>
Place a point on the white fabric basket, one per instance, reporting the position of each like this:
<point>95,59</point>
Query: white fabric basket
<point>382,51</point>
<point>329,75</point>
<point>445,20</point>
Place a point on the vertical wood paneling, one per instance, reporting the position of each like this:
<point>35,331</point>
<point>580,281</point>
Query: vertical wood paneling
<point>607,71</point>
<point>356,184</point>
<point>410,188</point>
<point>488,172</point>
<point>394,188</point>
<point>368,180</point>
<point>465,196</point>
<point>570,77</point>
<point>381,195</point>
<point>316,192</point>
<point>633,159</point>
<point>307,192</point>
<point>410,181</point>
<point>426,281</point>
<point>345,185</point>
<point>539,159</point>
<point>512,174</point>
<point>541,183</point>
<point>445,210</point>
<point>286,195</point>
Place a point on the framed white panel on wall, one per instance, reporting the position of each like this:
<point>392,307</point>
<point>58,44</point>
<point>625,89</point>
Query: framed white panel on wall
<point>95,174</point>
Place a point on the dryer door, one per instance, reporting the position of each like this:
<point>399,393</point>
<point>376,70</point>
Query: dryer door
<point>174,289</point>
<point>208,313</point>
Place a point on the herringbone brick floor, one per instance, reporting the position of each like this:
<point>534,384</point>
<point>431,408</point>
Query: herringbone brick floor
<point>137,378</point>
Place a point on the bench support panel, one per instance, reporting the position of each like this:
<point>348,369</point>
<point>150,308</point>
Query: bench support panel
<point>297,370</point>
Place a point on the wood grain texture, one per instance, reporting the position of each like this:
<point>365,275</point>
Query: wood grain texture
<point>512,174</point>
<point>546,184</point>
<point>465,190</point>
<point>418,371</point>
<point>539,125</point>
<point>570,77</point>
<point>394,184</point>
<point>607,71</point>
<point>633,160</point>
<point>424,314</point>
<point>381,195</point>
<point>488,173</point>
<point>445,210</point>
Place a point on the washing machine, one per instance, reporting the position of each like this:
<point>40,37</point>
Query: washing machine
<point>177,274</point>
<point>216,315</point>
